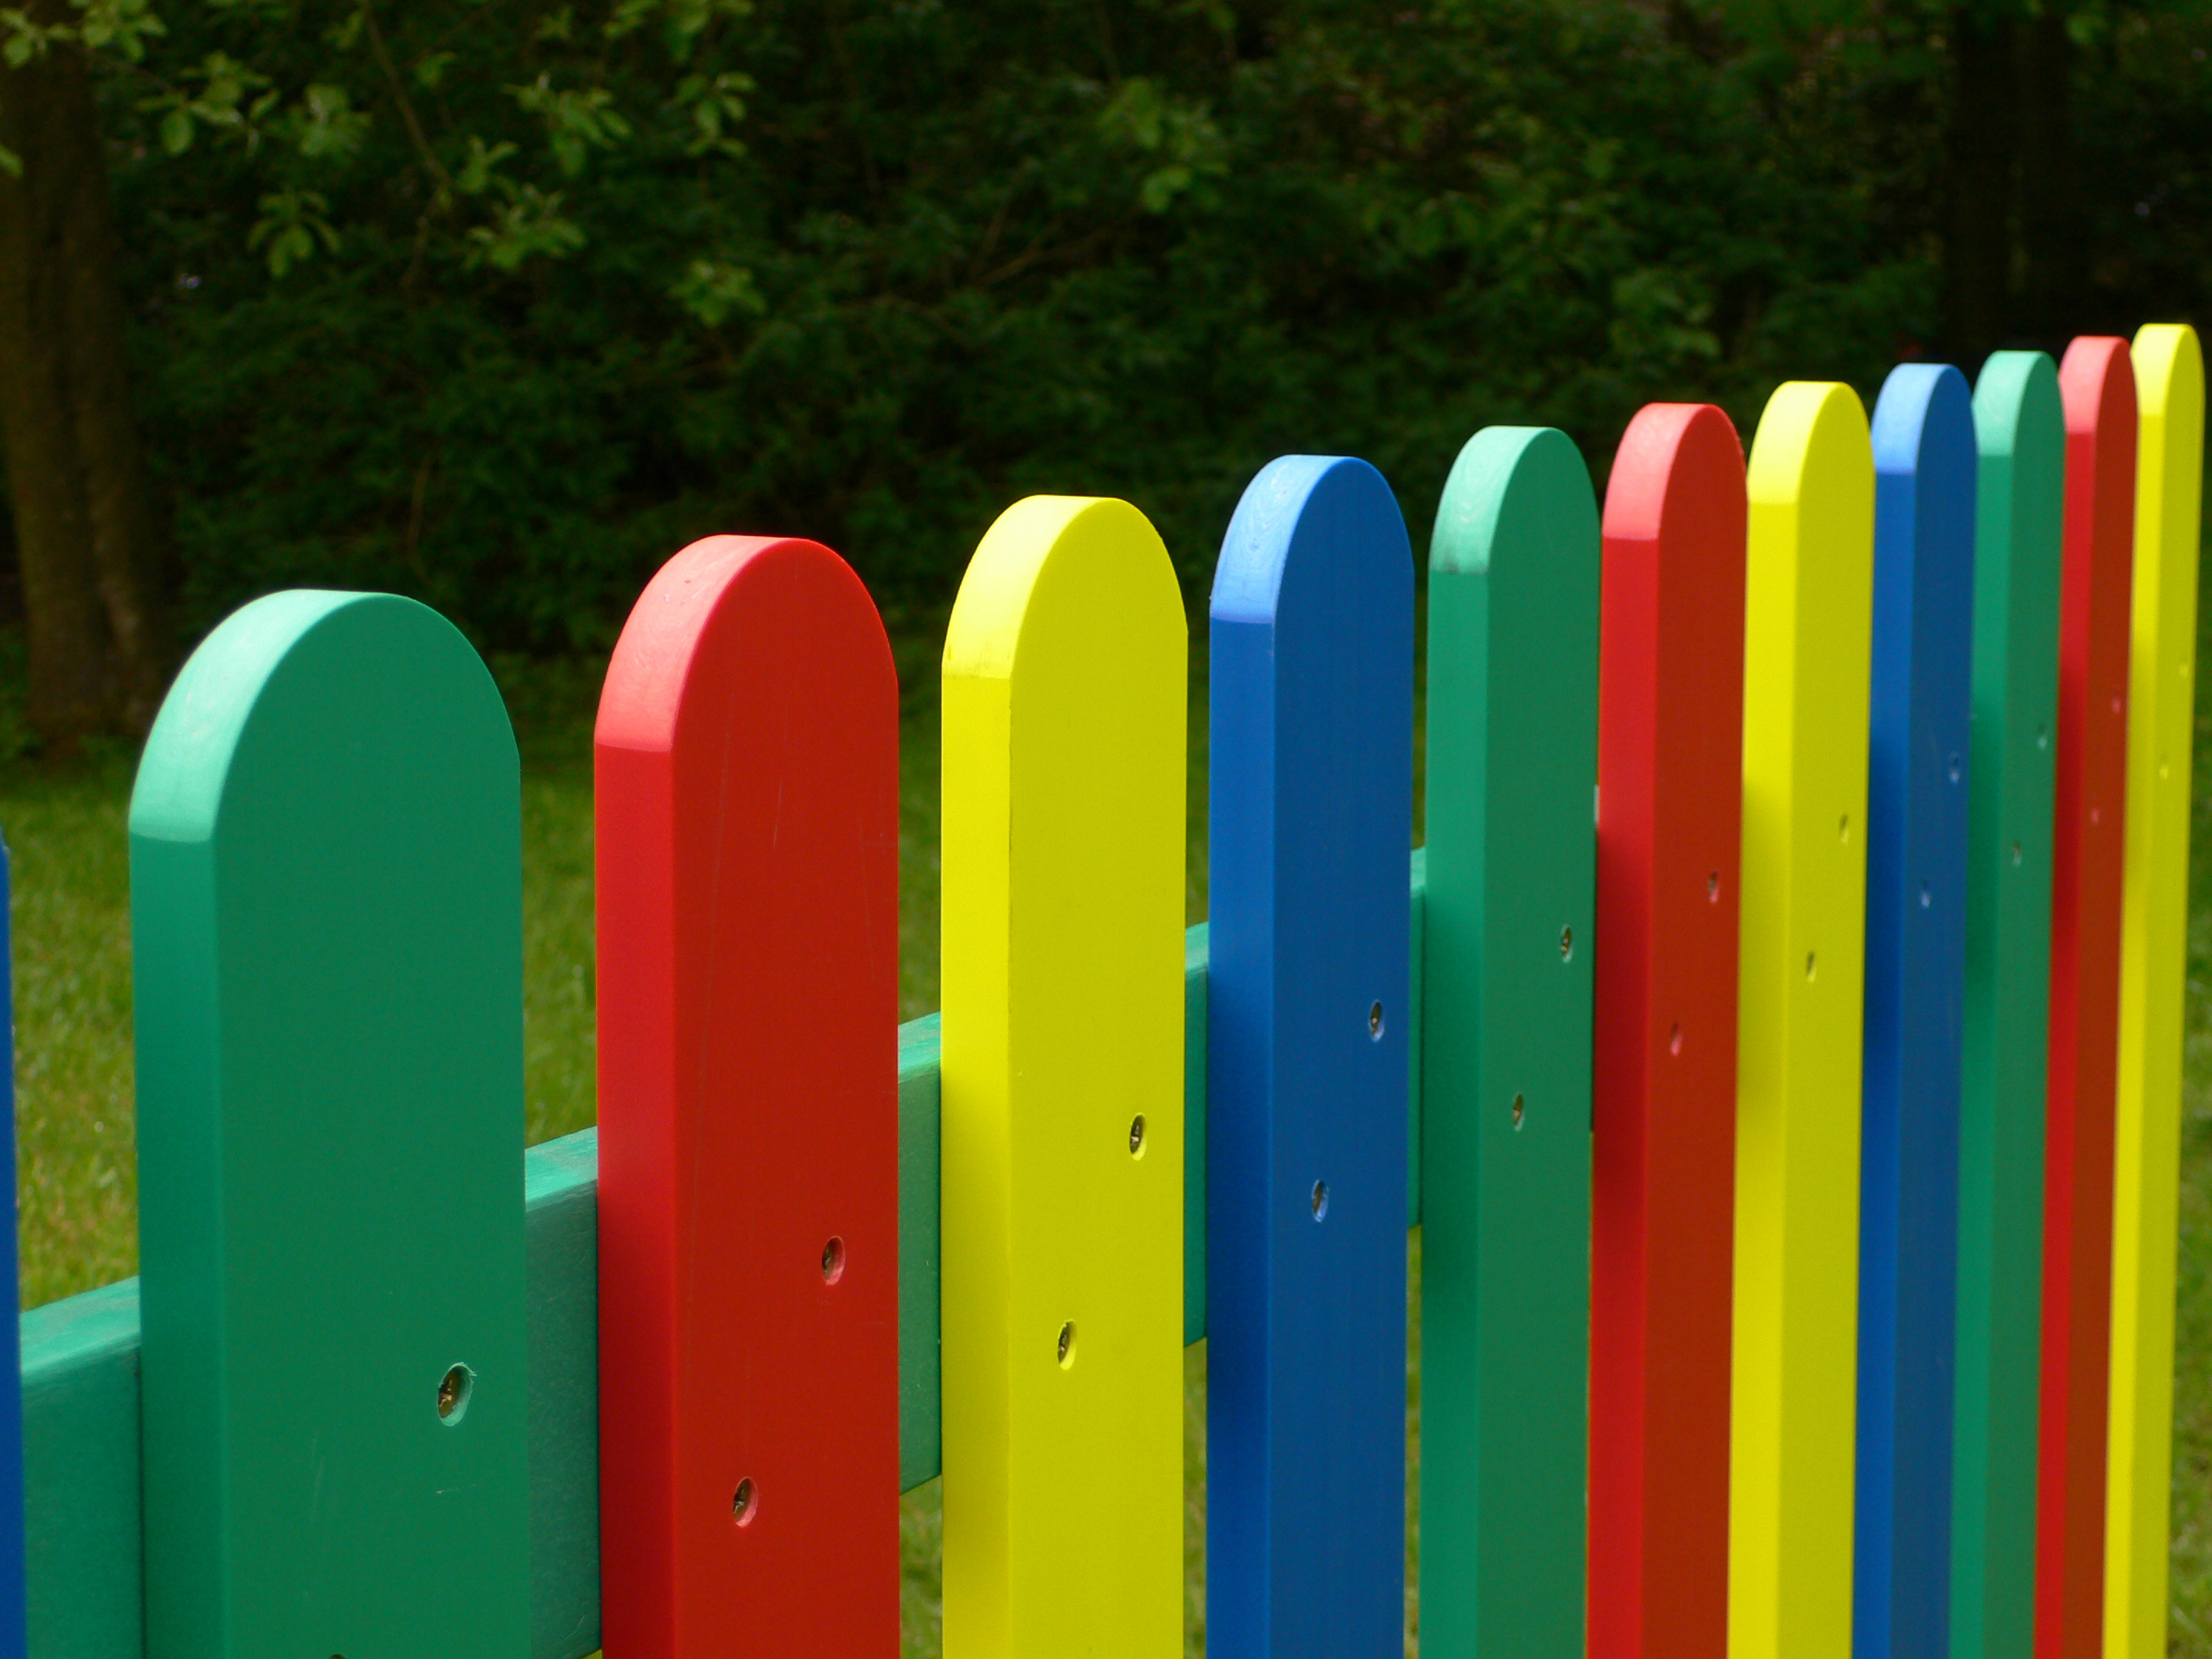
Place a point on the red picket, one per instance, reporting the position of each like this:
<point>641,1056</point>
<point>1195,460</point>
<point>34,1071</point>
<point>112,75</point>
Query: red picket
<point>2096,382</point>
<point>747,773</point>
<point>1669,747</point>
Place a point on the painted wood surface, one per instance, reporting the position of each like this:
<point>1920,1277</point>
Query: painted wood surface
<point>2020,437</point>
<point>1311,803</point>
<point>1925,463</point>
<point>2169,372</point>
<point>747,893</point>
<point>1064,732</point>
<point>2096,385</point>
<point>327,926</point>
<point>1506,1169</point>
<point>1670,777</point>
<point>1807,604</point>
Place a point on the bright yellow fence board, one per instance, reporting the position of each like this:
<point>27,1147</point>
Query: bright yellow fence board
<point>1808,595</point>
<point>2153,948</point>
<point>1065,685</point>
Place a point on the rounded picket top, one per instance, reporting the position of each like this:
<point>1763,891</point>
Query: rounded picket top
<point>1514,486</point>
<point>1678,476</point>
<point>746,760</point>
<point>1924,419</point>
<point>1054,567</point>
<point>1326,525</point>
<point>326,917</point>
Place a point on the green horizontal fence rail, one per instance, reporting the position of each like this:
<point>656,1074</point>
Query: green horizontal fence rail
<point>82,1517</point>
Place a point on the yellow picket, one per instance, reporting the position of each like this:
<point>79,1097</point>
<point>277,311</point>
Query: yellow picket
<point>2154,945</point>
<point>1807,616</point>
<point>1065,686</point>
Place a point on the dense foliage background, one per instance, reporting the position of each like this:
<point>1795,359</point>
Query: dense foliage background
<point>500,305</point>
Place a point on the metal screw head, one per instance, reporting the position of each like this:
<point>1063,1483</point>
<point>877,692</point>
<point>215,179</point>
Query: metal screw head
<point>1374,1023</point>
<point>1712,887</point>
<point>1844,827</point>
<point>1517,1111</point>
<point>745,1504</point>
<point>1137,1135</point>
<point>833,1262</point>
<point>1320,1199</point>
<point>1956,770</point>
<point>1927,898</point>
<point>1566,943</point>
<point>454,1388</point>
<point>1675,1038</point>
<point>2015,852</point>
<point>1810,962</point>
<point>1067,1344</point>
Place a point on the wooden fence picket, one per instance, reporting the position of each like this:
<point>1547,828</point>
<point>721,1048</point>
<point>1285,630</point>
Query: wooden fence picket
<point>1064,734</point>
<point>1808,607</point>
<point>1670,723</point>
<point>326,917</point>
<point>2018,501</point>
<point>2169,369</point>
<point>1311,803</point>
<point>1915,964</point>
<point>1505,1172</point>
<point>747,862</point>
<point>2097,386</point>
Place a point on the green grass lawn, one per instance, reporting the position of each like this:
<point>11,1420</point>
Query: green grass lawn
<point>63,825</point>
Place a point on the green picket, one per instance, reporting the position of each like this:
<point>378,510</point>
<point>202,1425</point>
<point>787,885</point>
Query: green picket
<point>326,915</point>
<point>2020,433</point>
<point>1506,1066</point>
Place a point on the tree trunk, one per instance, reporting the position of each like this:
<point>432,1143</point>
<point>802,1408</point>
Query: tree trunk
<point>2054,232</point>
<point>1983,132</point>
<point>88,530</point>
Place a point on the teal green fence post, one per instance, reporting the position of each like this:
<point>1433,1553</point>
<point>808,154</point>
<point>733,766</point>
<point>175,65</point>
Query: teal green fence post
<point>2020,430</point>
<point>1506,1063</point>
<point>326,918</point>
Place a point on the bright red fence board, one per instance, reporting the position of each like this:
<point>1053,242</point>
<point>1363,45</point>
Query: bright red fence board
<point>2096,382</point>
<point>747,772</point>
<point>1669,780</point>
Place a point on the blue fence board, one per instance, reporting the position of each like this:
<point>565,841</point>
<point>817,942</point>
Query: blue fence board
<point>1308,1006</point>
<point>1925,463</point>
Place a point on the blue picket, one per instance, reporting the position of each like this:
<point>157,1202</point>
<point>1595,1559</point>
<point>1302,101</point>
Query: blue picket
<point>1925,462</point>
<point>1307,1020</point>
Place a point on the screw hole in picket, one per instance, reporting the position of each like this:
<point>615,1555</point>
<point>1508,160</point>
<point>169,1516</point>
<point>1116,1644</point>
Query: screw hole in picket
<point>1675,1038</point>
<point>1066,1344</point>
<point>1712,887</point>
<point>833,1261</point>
<point>1374,1023</point>
<point>1137,1136</point>
<point>745,1504</point>
<point>1957,770</point>
<point>1320,1199</point>
<point>1517,1109</point>
<point>1927,898</point>
<point>2043,736</point>
<point>1566,944</point>
<point>1843,827</point>
<point>1810,963</point>
<point>454,1388</point>
<point>2015,852</point>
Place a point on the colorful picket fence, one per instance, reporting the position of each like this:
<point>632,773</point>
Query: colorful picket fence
<point>1792,1122</point>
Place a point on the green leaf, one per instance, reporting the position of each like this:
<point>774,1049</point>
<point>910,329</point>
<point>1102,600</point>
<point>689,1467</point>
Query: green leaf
<point>177,131</point>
